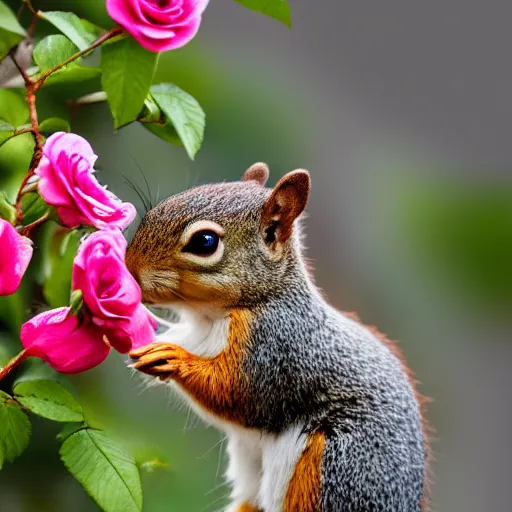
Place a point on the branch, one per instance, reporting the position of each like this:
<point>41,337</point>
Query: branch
<point>105,37</point>
<point>13,363</point>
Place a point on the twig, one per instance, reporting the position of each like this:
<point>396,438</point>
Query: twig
<point>26,230</point>
<point>105,37</point>
<point>32,88</point>
<point>38,139</point>
<point>13,364</point>
<point>28,3</point>
<point>20,10</point>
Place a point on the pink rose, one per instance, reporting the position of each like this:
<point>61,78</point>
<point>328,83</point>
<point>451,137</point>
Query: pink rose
<point>67,181</point>
<point>159,25</point>
<point>65,343</point>
<point>15,255</point>
<point>110,292</point>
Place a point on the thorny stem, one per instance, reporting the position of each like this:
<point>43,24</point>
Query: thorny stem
<point>13,364</point>
<point>32,88</point>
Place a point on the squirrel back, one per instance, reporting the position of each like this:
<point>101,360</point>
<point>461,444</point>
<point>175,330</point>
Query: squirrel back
<point>320,414</point>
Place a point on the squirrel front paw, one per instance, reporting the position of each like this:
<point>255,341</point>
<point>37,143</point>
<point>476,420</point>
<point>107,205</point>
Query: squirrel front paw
<point>162,360</point>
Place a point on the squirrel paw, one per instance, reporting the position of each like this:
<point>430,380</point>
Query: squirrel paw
<point>162,360</point>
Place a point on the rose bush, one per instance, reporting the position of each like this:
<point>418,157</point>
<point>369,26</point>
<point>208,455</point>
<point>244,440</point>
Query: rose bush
<point>50,194</point>
<point>159,25</point>
<point>15,255</point>
<point>67,181</point>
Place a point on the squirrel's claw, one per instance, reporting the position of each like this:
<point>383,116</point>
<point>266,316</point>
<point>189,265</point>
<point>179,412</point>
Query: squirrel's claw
<point>159,359</point>
<point>134,354</point>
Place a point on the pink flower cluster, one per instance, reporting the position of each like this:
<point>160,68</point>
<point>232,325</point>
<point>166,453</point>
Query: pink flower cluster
<point>112,315</point>
<point>159,25</point>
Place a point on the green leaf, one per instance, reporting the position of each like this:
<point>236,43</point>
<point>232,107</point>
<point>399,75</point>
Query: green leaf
<point>127,72</point>
<point>105,469</point>
<point>14,109</point>
<point>7,210</point>
<point>277,9</point>
<point>50,400</point>
<point>52,51</point>
<point>4,397</point>
<point>8,21</point>
<point>72,74</point>
<point>14,431</point>
<point>6,132</point>
<point>165,131</point>
<point>79,31</point>
<point>184,112</point>
<point>54,124</point>
<point>33,207</point>
<point>69,430</point>
<point>57,285</point>
<point>11,32</point>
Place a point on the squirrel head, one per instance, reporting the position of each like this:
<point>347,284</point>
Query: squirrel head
<point>225,244</point>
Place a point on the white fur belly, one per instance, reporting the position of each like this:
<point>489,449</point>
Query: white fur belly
<point>204,334</point>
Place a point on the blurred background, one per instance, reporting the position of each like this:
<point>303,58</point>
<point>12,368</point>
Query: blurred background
<point>401,111</point>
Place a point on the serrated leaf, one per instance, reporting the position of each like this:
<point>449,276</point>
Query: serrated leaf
<point>33,207</point>
<point>277,9</point>
<point>72,27</point>
<point>57,285</point>
<point>52,51</point>
<point>7,210</point>
<point>127,73</point>
<point>105,469</point>
<point>184,112</point>
<point>14,431</point>
<point>54,124</point>
<point>50,400</point>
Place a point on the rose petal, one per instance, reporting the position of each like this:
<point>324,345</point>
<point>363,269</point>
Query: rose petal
<point>65,344</point>
<point>158,26</point>
<point>137,331</point>
<point>15,255</point>
<point>67,181</point>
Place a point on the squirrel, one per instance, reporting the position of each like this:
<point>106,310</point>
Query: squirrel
<point>321,413</point>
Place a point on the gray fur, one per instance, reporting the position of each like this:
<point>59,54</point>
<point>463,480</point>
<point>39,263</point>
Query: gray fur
<point>306,363</point>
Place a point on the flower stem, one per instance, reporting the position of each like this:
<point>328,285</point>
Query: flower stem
<point>32,88</point>
<point>13,364</point>
<point>105,37</point>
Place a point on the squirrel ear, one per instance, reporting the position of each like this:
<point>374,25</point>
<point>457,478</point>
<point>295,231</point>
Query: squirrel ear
<point>285,204</point>
<point>257,172</point>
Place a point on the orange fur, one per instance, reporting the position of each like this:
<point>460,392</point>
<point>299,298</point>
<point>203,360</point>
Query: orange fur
<point>246,507</point>
<point>304,489</point>
<point>422,400</point>
<point>216,383</point>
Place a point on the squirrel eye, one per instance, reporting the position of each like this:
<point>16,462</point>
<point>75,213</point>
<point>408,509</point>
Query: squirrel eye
<point>203,243</point>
